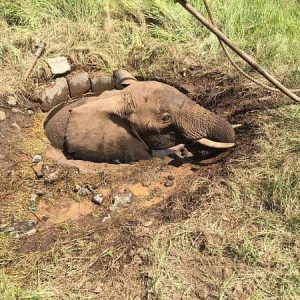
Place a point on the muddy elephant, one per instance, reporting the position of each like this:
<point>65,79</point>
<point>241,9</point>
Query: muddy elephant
<point>126,125</point>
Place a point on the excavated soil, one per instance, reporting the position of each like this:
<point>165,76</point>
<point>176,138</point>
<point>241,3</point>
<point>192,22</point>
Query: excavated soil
<point>154,199</point>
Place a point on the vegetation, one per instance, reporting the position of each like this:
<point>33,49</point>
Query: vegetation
<point>250,230</point>
<point>145,35</point>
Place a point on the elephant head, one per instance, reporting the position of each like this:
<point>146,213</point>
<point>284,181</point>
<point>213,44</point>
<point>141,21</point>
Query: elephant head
<point>126,125</point>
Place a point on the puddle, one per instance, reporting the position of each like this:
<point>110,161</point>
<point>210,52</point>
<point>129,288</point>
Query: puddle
<point>145,180</point>
<point>69,210</point>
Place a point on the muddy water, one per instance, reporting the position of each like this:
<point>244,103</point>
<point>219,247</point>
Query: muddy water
<point>147,185</point>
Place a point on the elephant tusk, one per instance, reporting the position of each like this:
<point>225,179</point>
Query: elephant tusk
<point>237,126</point>
<point>217,145</point>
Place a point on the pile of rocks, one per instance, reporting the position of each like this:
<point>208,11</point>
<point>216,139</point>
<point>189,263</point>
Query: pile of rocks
<point>72,86</point>
<point>77,84</point>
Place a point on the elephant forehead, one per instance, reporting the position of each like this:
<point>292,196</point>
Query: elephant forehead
<point>157,92</point>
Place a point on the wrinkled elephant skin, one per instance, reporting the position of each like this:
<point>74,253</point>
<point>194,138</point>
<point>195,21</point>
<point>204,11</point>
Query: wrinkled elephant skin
<point>127,125</point>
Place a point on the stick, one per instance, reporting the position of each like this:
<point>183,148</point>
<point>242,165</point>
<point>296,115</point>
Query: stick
<point>237,50</point>
<point>272,89</point>
<point>39,52</point>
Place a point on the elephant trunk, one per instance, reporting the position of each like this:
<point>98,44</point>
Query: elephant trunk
<point>198,124</point>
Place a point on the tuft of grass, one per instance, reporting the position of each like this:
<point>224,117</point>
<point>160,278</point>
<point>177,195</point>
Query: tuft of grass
<point>145,36</point>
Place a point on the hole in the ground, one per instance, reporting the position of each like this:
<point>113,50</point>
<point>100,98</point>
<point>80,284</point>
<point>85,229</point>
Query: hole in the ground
<point>145,119</point>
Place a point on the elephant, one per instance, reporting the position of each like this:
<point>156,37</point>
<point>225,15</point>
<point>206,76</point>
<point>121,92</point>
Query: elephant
<point>127,125</point>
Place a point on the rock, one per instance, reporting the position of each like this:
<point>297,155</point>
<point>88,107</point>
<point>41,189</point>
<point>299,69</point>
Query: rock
<point>29,232</point>
<point>171,177</point>
<point>37,158</point>
<point>79,83</point>
<point>17,111</point>
<point>101,82</point>
<point>148,224</point>
<point>84,192</point>
<point>120,200</point>
<point>56,93</point>
<point>45,218</point>
<point>164,168</point>
<point>77,188</point>
<point>108,217</point>
<point>99,289</point>
<point>59,65</point>
<point>53,177</point>
<point>38,169</point>
<point>12,101</point>
<point>15,235</point>
<point>30,112</point>
<point>168,183</point>
<point>2,115</point>
<point>40,193</point>
<point>30,224</point>
<point>98,199</point>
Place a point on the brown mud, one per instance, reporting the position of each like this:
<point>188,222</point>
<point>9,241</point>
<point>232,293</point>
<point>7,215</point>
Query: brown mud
<point>126,230</point>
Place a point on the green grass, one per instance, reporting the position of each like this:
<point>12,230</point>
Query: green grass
<point>250,230</point>
<point>146,36</point>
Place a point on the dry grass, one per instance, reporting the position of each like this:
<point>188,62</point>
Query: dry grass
<point>243,241</point>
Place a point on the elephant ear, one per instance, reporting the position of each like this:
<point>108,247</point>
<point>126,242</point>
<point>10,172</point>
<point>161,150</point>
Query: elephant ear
<point>95,132</point>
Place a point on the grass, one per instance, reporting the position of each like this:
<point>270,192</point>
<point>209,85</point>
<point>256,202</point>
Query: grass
<point>253,238</point>
<point>243,241</point>
<point>146,36</point>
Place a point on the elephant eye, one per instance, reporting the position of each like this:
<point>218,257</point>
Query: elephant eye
<point>166,117</point>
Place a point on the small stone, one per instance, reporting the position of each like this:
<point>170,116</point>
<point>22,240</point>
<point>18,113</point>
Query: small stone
<point>2,115</point>
<point>164,168</point>
<point>108,217</point>
<point>148,224</point>
<point>29,232</point>
<point>59,65</point>
<point>77,188</point>
<point>145,183</point>
<point>30,112</point>
<point>31,223</point>
<point>45,218</point>
<point>12,101</point>
<point>40,193</point>
<point>79,83</point>
<point>168,183</point>
<point>37,158</point>
<point>97,199</point>
<point>16,111</point>
<point>84,192</point>
<point>195,168</point>
<point>171,177</point>
<point>38,169</point>
<point>120,200</point>
<point>55,94</point>
<point>94,186</point>
<point>15,235</point>
<point>98,289</point>
<point>53,177</point>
